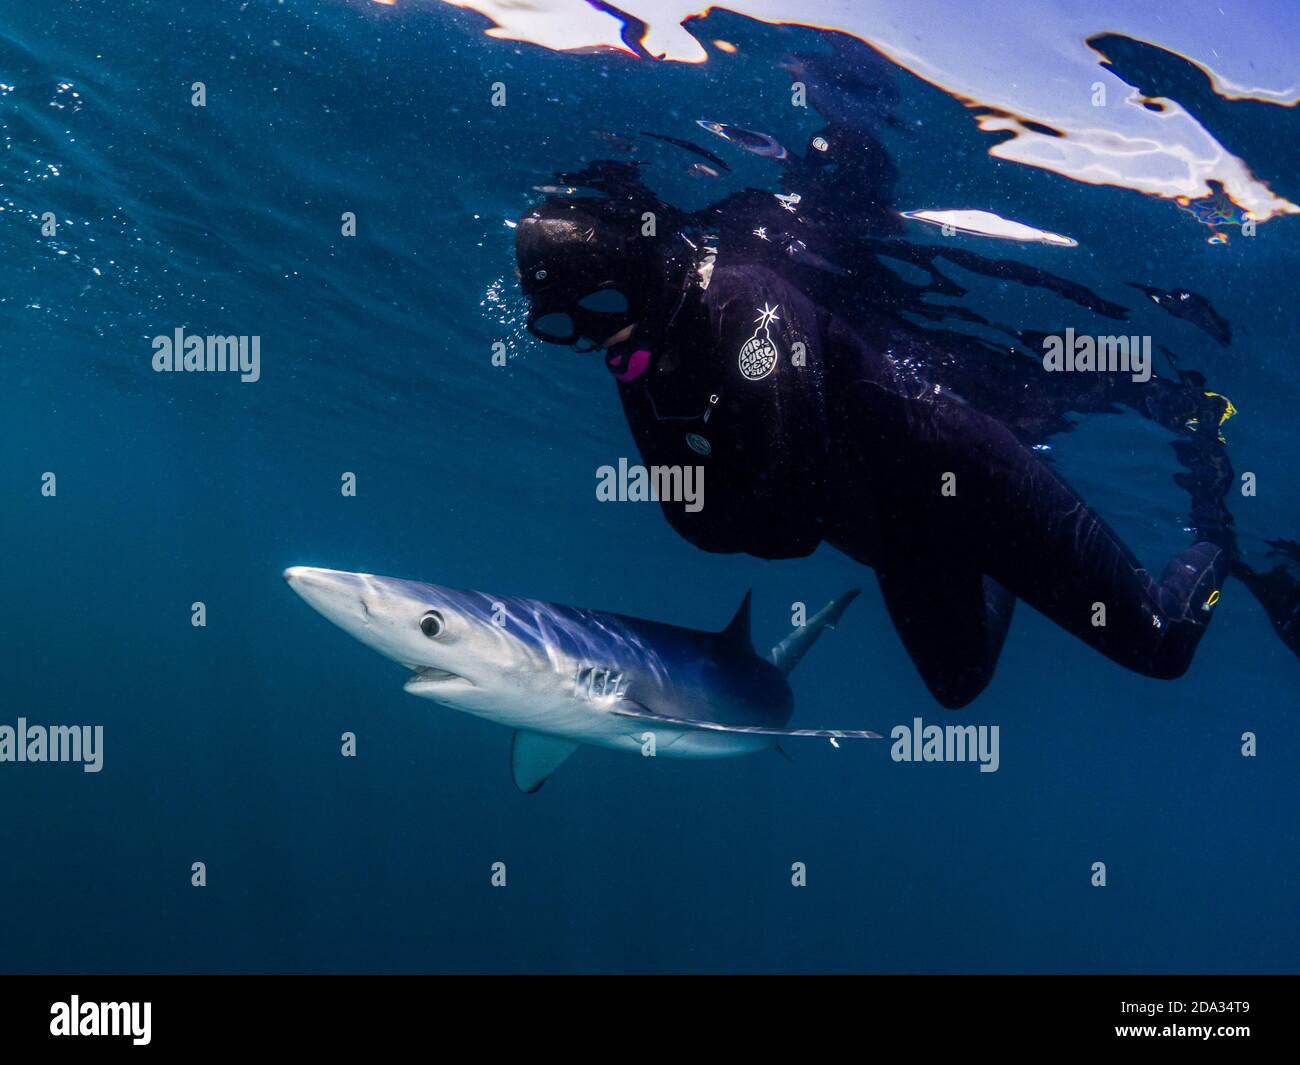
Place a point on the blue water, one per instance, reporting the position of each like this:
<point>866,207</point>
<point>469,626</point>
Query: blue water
<point>222,742</point>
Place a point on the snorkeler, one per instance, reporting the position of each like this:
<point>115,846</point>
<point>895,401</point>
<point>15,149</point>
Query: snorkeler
<point>768,342</point>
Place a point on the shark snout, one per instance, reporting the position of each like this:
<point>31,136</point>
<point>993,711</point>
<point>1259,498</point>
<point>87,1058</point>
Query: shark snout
<point>338,595</point>
<point>312,583</point>
<point>384,614</point>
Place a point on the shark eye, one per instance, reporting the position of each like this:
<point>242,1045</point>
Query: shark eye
<point>432,624</point>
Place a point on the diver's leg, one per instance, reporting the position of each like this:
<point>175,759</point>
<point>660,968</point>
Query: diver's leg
<point>1187,408</point>
<point>1207,476</point>
<point>952,623</point>
<point>942,466</point>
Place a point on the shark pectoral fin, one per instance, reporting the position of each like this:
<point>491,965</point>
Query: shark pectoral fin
<point>534,757</point>
<point>639,713</point>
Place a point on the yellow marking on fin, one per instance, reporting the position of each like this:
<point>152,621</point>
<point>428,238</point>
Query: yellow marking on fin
<point>1214,598</point>
<point>1228,411</point>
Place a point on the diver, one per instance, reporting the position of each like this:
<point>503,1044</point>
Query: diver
<point>822,415</point>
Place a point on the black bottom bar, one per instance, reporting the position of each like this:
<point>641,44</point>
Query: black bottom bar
<point>340,1013</point>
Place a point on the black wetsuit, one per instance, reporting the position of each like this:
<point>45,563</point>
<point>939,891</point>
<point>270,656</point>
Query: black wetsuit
<point>810,427</point>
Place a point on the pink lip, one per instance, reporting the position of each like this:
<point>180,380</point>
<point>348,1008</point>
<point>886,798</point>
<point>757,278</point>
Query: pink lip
<point>636,365</point>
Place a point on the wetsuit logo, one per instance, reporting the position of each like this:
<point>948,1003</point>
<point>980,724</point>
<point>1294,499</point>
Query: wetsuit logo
<point>758,354</point>
<point>698,443</point>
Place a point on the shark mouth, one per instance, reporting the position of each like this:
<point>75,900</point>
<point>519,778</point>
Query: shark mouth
<point>427,679</point>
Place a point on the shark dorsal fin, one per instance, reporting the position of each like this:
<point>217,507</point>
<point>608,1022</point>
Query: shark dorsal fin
<point>735,636</point>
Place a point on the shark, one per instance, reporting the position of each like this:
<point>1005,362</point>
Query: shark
<point>563,677</point>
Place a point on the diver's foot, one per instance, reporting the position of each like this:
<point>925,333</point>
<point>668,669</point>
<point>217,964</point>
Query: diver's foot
<point>1189,591</point>
<point>1190,586</point>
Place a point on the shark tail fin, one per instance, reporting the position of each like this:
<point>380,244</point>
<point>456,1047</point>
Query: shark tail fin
<point>786,654</point>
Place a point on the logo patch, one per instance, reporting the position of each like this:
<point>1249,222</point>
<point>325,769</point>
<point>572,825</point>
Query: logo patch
<point>698,443</point>
<point>758,354</point>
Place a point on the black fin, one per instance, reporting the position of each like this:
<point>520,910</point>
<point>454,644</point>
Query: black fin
<point>736,635</point>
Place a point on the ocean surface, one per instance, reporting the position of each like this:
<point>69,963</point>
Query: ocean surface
<point>222,742</point>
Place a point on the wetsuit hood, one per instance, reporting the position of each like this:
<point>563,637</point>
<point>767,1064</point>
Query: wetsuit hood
<point>588,272</point>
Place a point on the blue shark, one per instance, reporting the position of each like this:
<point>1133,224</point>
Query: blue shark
<point>562,677</point>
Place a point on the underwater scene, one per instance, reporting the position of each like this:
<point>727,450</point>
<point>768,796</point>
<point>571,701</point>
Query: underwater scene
<point>582,487</point>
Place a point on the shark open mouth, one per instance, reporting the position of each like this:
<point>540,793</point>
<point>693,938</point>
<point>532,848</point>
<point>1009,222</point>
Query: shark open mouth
<point>427,678</point>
